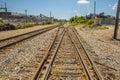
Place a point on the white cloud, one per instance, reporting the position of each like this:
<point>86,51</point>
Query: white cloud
<point>114,7</point>
<point>83,2</point>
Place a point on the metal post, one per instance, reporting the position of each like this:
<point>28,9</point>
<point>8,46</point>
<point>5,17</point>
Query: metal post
<point>50,15</point>
<point>40,17</point>
<point>94,9</point>
<point>117,20</point>
<point>5,10</point>
<point>25,15</point>
<point>95,21</point>
<point>5,7</point>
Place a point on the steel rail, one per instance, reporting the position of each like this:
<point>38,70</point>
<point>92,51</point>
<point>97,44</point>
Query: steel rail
<point>36,76</point>
<point>82,60</point>
<point>14,42</point>
<point>8,58</point>
<point>25,33</point>
<point>45,76</point>
<point>88,56</point>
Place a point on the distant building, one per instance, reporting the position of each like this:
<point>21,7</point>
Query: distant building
<point>2,14</point>
<point>14,17</point>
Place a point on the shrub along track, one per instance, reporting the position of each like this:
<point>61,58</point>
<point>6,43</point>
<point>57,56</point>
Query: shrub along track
<point>67,59</point>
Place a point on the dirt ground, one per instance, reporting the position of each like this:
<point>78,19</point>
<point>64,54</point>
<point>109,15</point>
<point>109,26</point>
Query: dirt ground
<point>104,50</point>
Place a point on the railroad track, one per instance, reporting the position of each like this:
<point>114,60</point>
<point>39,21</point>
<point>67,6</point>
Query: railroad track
<point>15,39</point>
<point>50,54</point>
<point>67,59</point>
<point>90,65</point>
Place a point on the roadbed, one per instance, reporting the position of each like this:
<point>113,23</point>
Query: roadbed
<point>104,50</point>
<point>11,33</point>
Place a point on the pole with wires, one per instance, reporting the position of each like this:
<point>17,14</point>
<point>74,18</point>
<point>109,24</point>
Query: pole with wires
<point>94,15</point>
<point>94,9</point>
<point>117,20</point>
<point>25,15</point>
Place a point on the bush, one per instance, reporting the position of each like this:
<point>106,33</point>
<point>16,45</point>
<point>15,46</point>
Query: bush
<point>81,20</point>
<point>62,22</point>
<point>17,26</point>
<point>105,26</point>
<point>48,22</point>
<point>89,22</point>
<point>43,23</point>
<point>1,20</point>
<point>20,26</point>
<point>78,20</point>
<point>4,27</point>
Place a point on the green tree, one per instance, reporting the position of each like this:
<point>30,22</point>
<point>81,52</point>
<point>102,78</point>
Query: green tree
<point>78,20</point>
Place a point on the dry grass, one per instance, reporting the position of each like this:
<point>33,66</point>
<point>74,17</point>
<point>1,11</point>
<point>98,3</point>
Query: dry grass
<point>79,25</point>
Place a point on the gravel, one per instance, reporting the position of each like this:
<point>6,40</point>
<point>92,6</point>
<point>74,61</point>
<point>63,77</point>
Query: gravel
<point>22,61</point>
<point>104,50</point>
<point>66,65</point>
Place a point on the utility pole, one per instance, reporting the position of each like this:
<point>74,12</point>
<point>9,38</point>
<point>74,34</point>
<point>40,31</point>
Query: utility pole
<point>50,16</point>
<point>6,12</point>
<point>5,7</point>
<point>40,17</point>
<point>94,9</point>
<point>25,15</point>
<point>117,20</point>
<point>95,20</point>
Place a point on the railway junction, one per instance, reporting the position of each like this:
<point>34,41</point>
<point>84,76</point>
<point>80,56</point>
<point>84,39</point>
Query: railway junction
<point>81,48</point>
<point>56,52</point>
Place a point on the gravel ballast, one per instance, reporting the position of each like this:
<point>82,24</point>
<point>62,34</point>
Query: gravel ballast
<point>22,61</point>
<point>104,50</point>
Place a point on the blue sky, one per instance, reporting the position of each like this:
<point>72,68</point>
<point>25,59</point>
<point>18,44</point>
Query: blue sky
<point>61,8</point>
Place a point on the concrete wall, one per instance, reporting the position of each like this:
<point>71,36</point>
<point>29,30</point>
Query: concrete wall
<point>107,22</point>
